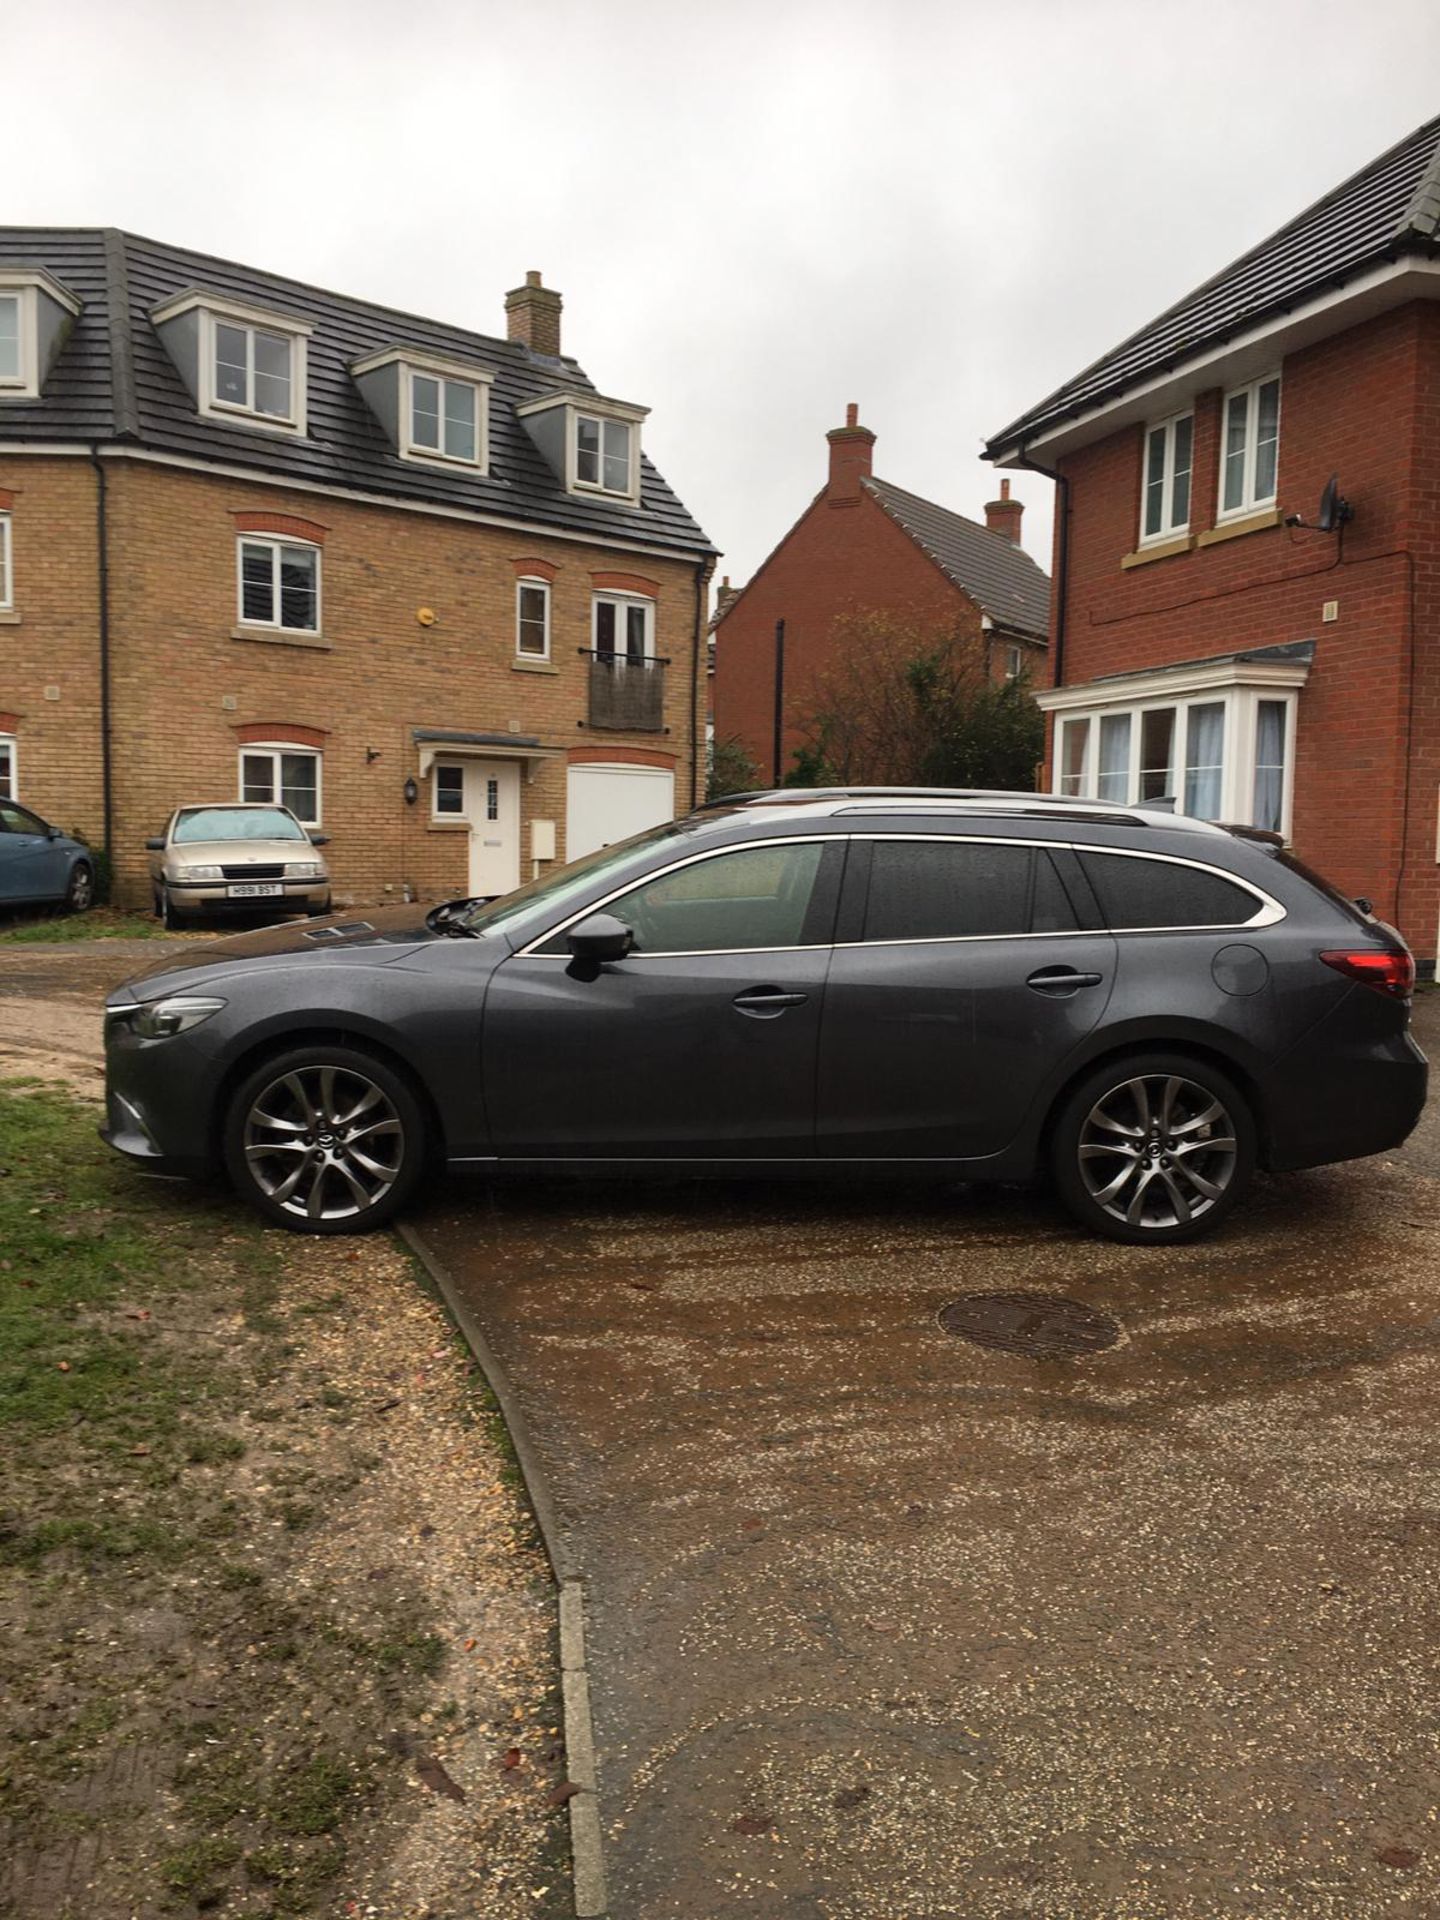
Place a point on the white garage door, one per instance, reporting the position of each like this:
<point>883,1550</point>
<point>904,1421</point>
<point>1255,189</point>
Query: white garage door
<point>605,804</point>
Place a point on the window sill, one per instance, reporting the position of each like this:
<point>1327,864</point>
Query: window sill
<point>1159,550</point>
<point>533,666</point>
<point>448,826</point>
<point>279,637</point>
<point>8,618</point>
<point>1233,529</point>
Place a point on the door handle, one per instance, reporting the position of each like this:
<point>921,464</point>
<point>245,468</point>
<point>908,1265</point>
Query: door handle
<point>763,1003</point>
<point>1062,981</point>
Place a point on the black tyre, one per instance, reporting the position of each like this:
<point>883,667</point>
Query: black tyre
<point>80,890</point>
<point>170,919</point>
<point>325,1139</point>
<point>1153,1148</point>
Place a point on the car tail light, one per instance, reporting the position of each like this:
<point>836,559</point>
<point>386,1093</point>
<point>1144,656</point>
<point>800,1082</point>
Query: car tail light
<point>1386,972</point>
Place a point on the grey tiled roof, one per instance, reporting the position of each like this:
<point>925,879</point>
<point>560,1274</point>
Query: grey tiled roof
<point>1391,207</point>
<point>999,577</point>
<point>114,380</point>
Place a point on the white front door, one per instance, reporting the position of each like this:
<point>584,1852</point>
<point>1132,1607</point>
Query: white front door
<point>492,806</point>
<point>606,804</point>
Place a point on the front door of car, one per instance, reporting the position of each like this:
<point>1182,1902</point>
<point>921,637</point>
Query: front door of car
<point>700,1044</point>
<point>962,981</point>
<point>32,865</point>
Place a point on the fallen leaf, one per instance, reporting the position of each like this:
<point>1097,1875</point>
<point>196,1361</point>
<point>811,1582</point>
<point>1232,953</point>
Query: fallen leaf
<point>63,1367</point>
<point>138,1452</point>
<point>851,1797</point>
<point>752,1823</point>
<point>470,1646</point>
<point>1398,1857</point>
<point>430,1773</point>
<point>751,1526</point>
<point>879,1626</point>
<point>564,1793</point>
<point>512,1758</point>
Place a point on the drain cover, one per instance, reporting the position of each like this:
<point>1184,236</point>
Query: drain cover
<point>1036,1323</point>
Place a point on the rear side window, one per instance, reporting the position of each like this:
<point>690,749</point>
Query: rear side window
<point>1139,895</point>
<point>962,890</point>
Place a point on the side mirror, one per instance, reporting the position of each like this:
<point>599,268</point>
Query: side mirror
<point>601,937</point>
<point>319,839</point>
<point>53,833</point>
<point>157,845</point>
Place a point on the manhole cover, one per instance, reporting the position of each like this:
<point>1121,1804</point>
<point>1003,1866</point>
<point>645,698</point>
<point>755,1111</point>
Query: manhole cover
<point>1029,1323</point>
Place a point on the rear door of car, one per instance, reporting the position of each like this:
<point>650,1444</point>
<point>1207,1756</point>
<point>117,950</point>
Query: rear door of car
<point>701,1044</point>
<point>963,977</point>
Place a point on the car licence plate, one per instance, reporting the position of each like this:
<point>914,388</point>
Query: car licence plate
<point>254,890</point>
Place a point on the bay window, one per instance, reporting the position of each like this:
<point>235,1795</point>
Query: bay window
<point>1250,447</point>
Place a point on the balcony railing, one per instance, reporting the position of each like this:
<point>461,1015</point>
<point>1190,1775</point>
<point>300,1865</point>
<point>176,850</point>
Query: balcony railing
<point>627,692</point>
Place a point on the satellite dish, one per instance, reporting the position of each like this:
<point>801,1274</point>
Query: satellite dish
<point>1335,509</point>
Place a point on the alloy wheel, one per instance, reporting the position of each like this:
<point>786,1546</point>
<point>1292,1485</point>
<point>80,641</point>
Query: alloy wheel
<point>324,1142</point>
<point>82,888</point>
<point>1157,1151</point>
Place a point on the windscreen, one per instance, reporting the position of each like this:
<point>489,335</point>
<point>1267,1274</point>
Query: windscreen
<point>236,823</point>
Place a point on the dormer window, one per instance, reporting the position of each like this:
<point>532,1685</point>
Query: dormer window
<point>240,364</point>
<point>431,409</point>
<point>591,444</point>
<point>602,454</point>
<point>36,314</point>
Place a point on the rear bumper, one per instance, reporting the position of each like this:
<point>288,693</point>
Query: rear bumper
<point>1328,1102</point>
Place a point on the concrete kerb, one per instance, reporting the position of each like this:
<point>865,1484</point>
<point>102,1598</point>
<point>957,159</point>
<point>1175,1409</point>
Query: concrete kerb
<point>586,1841</point>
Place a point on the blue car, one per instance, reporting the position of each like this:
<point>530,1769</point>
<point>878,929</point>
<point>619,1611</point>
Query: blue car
<point>40,865</point>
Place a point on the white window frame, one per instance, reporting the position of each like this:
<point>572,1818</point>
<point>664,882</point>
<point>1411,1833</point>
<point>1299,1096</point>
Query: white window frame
<point>437,812</point>
<point>1170,528</point>
<point>1237,778</point>
<point>1251,394</point>
<point>592,407</point>
<point>7,565</point>
<point>25,284</point>
<point>1014,660</point>
<point>622,601</point>
<point>10,782</point>
<point>276,543</point>
<point>534,582</point>
<point>479,389</point>
<point>631,489</point>
<point>258,749</point>
<point>213,312</point>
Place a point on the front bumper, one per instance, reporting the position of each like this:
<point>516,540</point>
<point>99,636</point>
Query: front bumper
<point>209,897</point>
<point>159,1108</point>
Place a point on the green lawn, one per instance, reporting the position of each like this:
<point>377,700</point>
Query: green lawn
<point>101,923</point>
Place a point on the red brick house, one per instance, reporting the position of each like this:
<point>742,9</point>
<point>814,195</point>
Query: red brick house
<point>866,546</point>
<point>262,541</point>
<point>1221,642</point>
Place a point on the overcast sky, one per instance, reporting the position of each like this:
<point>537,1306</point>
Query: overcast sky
<point>756,210</point>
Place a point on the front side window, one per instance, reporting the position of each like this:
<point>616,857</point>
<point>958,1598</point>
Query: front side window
<point>1169,453</point>
<point>624,629</point>
<point>283,776</point>
<point>532,619</point>
<point>7,767</point>
<point>12,364</point>
<point>444,418</point>
<point>602,453</point>
<point>1250,447</point>
<point>449,791</point>
<point>279,585</point>
<point>253,371</point>
<point>962,890</point>
<point>7,590</point>
<point>754,897</point>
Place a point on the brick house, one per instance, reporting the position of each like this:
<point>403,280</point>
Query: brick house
<point>866,546</point>
<point>261,541</point>
<point>1220,642</point>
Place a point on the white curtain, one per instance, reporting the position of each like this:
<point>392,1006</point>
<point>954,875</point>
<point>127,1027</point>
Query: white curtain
<point>1113,778</point>
<point>1269,765</point>
<point>1204,759</point>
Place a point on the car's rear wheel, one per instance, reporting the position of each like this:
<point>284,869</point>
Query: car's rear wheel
<point>80,889</point>
<point>325,1139</point>
<point>1153,1148</point>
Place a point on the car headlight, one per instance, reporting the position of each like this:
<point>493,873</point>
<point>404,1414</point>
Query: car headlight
<point>201,873</point>
<point>304,870</point>
<point>161,1018</point>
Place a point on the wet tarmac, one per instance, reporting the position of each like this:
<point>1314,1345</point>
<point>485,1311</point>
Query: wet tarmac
<point>1135,1619</point>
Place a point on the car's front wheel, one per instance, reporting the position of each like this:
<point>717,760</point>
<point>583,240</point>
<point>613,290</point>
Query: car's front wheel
<point>325,1139</point>
<point>1153,1148</point>
<point>80,888</point>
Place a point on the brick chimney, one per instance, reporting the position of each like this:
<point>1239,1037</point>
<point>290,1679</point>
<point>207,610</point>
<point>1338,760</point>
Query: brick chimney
<point>1003,515</point>
<point>850,448</point>
<point>532,316</point>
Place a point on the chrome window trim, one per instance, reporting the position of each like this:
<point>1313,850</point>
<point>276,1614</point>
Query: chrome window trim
<point>1269,912</point>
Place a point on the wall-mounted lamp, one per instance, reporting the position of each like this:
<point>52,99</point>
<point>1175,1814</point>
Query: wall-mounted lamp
<point>412,792</point>
<point>371,753</point>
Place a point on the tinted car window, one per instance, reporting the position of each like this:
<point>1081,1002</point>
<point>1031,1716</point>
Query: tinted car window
<point>1140,894</point>
<point>754,897</point>
<point>937,890</point>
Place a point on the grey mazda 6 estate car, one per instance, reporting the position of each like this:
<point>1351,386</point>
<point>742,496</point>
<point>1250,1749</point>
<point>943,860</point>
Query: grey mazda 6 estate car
<point>990,986</point>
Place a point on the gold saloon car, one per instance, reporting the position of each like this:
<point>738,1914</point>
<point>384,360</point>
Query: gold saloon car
<point>237,857</point>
